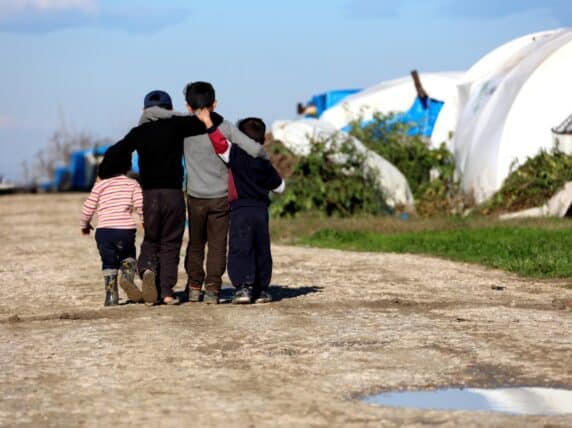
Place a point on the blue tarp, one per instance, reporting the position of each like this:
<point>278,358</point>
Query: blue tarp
<point>61,176</point>
<point>421,117</point>
<point>81,172</point>
<point>324,101</point>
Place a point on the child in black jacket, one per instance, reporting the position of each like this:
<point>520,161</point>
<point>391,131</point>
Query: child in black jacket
<point>250,180</point>
<point>159,142</point>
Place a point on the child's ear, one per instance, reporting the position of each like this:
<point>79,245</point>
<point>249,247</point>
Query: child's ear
<point>214,104</point>
<point>189,109</point>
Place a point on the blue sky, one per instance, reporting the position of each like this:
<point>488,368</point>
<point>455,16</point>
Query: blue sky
<point>88,63</point>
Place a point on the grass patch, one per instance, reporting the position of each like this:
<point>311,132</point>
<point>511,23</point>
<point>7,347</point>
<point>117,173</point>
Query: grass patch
<point>539,252</point>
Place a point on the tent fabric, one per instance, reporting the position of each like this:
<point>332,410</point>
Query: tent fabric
<point>324,101</point>
<point>298,136</point>
<point>509,102</point>
<point>393,96</point>
<point>565,128</point>
<point>557,206</point>
<point>421,117</point>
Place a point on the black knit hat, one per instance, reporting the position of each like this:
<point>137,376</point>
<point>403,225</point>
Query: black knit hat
<point>158,98</point>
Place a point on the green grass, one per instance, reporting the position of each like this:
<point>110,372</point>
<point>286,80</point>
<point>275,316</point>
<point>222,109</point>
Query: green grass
<point>539,252</point>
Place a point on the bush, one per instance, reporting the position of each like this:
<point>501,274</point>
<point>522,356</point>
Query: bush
<point>430,172</point>
<point>533,183</point>
<point>319,182</point>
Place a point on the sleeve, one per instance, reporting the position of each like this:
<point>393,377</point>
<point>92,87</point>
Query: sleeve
<point>138,200</point>
<point>189,126</point>
<point>281,188</point>
<point>253,148</point>
<point>110,165</point>
<point>272,180</point>
<point>89,207</point>
<point>220,144</point>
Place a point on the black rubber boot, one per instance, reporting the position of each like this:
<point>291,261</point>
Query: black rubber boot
<point>111,292</point>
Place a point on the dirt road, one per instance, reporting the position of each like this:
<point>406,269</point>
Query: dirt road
<point>346,324</point>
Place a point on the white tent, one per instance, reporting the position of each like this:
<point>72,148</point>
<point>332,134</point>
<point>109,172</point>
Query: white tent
<point>397,96</point>
<point>508,102</point>
<point>298,135</point>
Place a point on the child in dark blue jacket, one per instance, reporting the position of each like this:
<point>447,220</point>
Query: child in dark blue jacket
<point>249,182</point>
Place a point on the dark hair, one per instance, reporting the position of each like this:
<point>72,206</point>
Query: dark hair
<point>115,162</point>
<point>254,127</point>
<point>200,95</point>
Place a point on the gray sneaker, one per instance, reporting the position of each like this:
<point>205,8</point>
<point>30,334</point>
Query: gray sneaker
<point>210,298</point>
<point>194,294</point>
<point>263,297</point>
<point>242,296</point>
<point>149,288</point>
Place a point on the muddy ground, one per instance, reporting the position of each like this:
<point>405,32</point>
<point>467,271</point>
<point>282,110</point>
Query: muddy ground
<point>345,324</point>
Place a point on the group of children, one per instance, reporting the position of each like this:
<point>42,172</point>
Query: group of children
<point>228,179</point>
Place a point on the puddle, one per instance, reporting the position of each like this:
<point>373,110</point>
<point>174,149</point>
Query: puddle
<point>517,401</point>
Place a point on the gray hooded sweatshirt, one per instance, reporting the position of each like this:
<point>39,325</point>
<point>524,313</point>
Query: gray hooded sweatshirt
<point>156,113</point>
<point>207,174</point>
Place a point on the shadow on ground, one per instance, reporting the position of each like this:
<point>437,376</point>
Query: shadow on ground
<point>278,292</point>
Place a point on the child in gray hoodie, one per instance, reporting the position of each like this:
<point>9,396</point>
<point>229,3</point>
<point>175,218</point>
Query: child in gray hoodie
<point>207,198</point>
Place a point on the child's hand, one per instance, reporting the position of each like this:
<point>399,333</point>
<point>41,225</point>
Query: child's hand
<point>86,230</point>
<point>204,115</point>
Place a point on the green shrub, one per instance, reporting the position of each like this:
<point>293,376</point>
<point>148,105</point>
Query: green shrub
<point>318,183</point>
<point>413,156</point>
<point>533,183</point>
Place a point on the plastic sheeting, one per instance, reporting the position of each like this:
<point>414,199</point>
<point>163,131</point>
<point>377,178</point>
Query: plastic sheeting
<point>509,102</point>
<point>324,101</point>
<point>421,117</point>
<point>398,96</point>
<point>297,136</point>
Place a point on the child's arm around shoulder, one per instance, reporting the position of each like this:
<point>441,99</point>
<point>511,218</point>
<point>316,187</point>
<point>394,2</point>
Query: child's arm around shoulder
<point>89,207</point>
<point>219,142</point>
<point>251,147</point>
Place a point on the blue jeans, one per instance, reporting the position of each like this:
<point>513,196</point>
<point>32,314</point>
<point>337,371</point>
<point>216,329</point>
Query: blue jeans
<point>115,245</point>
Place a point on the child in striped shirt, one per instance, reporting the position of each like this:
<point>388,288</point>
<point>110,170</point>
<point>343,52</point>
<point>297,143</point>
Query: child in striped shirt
<point>113,200</point>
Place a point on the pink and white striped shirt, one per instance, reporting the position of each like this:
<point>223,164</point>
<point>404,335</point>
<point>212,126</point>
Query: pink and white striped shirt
<point>113,199</point>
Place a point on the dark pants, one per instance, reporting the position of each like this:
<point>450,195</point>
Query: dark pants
<point>115,245</point>
<point>249,257</point>
<point>164,223</point>
<point>208,224</point>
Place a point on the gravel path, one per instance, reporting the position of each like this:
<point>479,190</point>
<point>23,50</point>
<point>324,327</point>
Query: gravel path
<point>346,324</point>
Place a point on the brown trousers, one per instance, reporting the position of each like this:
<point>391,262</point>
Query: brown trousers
<point>208,224</point>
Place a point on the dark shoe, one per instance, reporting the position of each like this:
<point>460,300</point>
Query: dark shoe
<point>242,296</point>
<point>127,280</point>
<point>210,298</point>
<point>195,294</point>
<point>263,297</point>
<point>149,288</point>
<point>171,300</point>
<point>111,292</point>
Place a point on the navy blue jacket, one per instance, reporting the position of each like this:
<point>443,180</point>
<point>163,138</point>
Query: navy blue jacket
<point>249,179</point>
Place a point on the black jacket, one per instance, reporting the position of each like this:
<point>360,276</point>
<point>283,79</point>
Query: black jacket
<point>159,145</point>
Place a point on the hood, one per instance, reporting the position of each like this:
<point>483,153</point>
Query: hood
<point>156,113</point>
